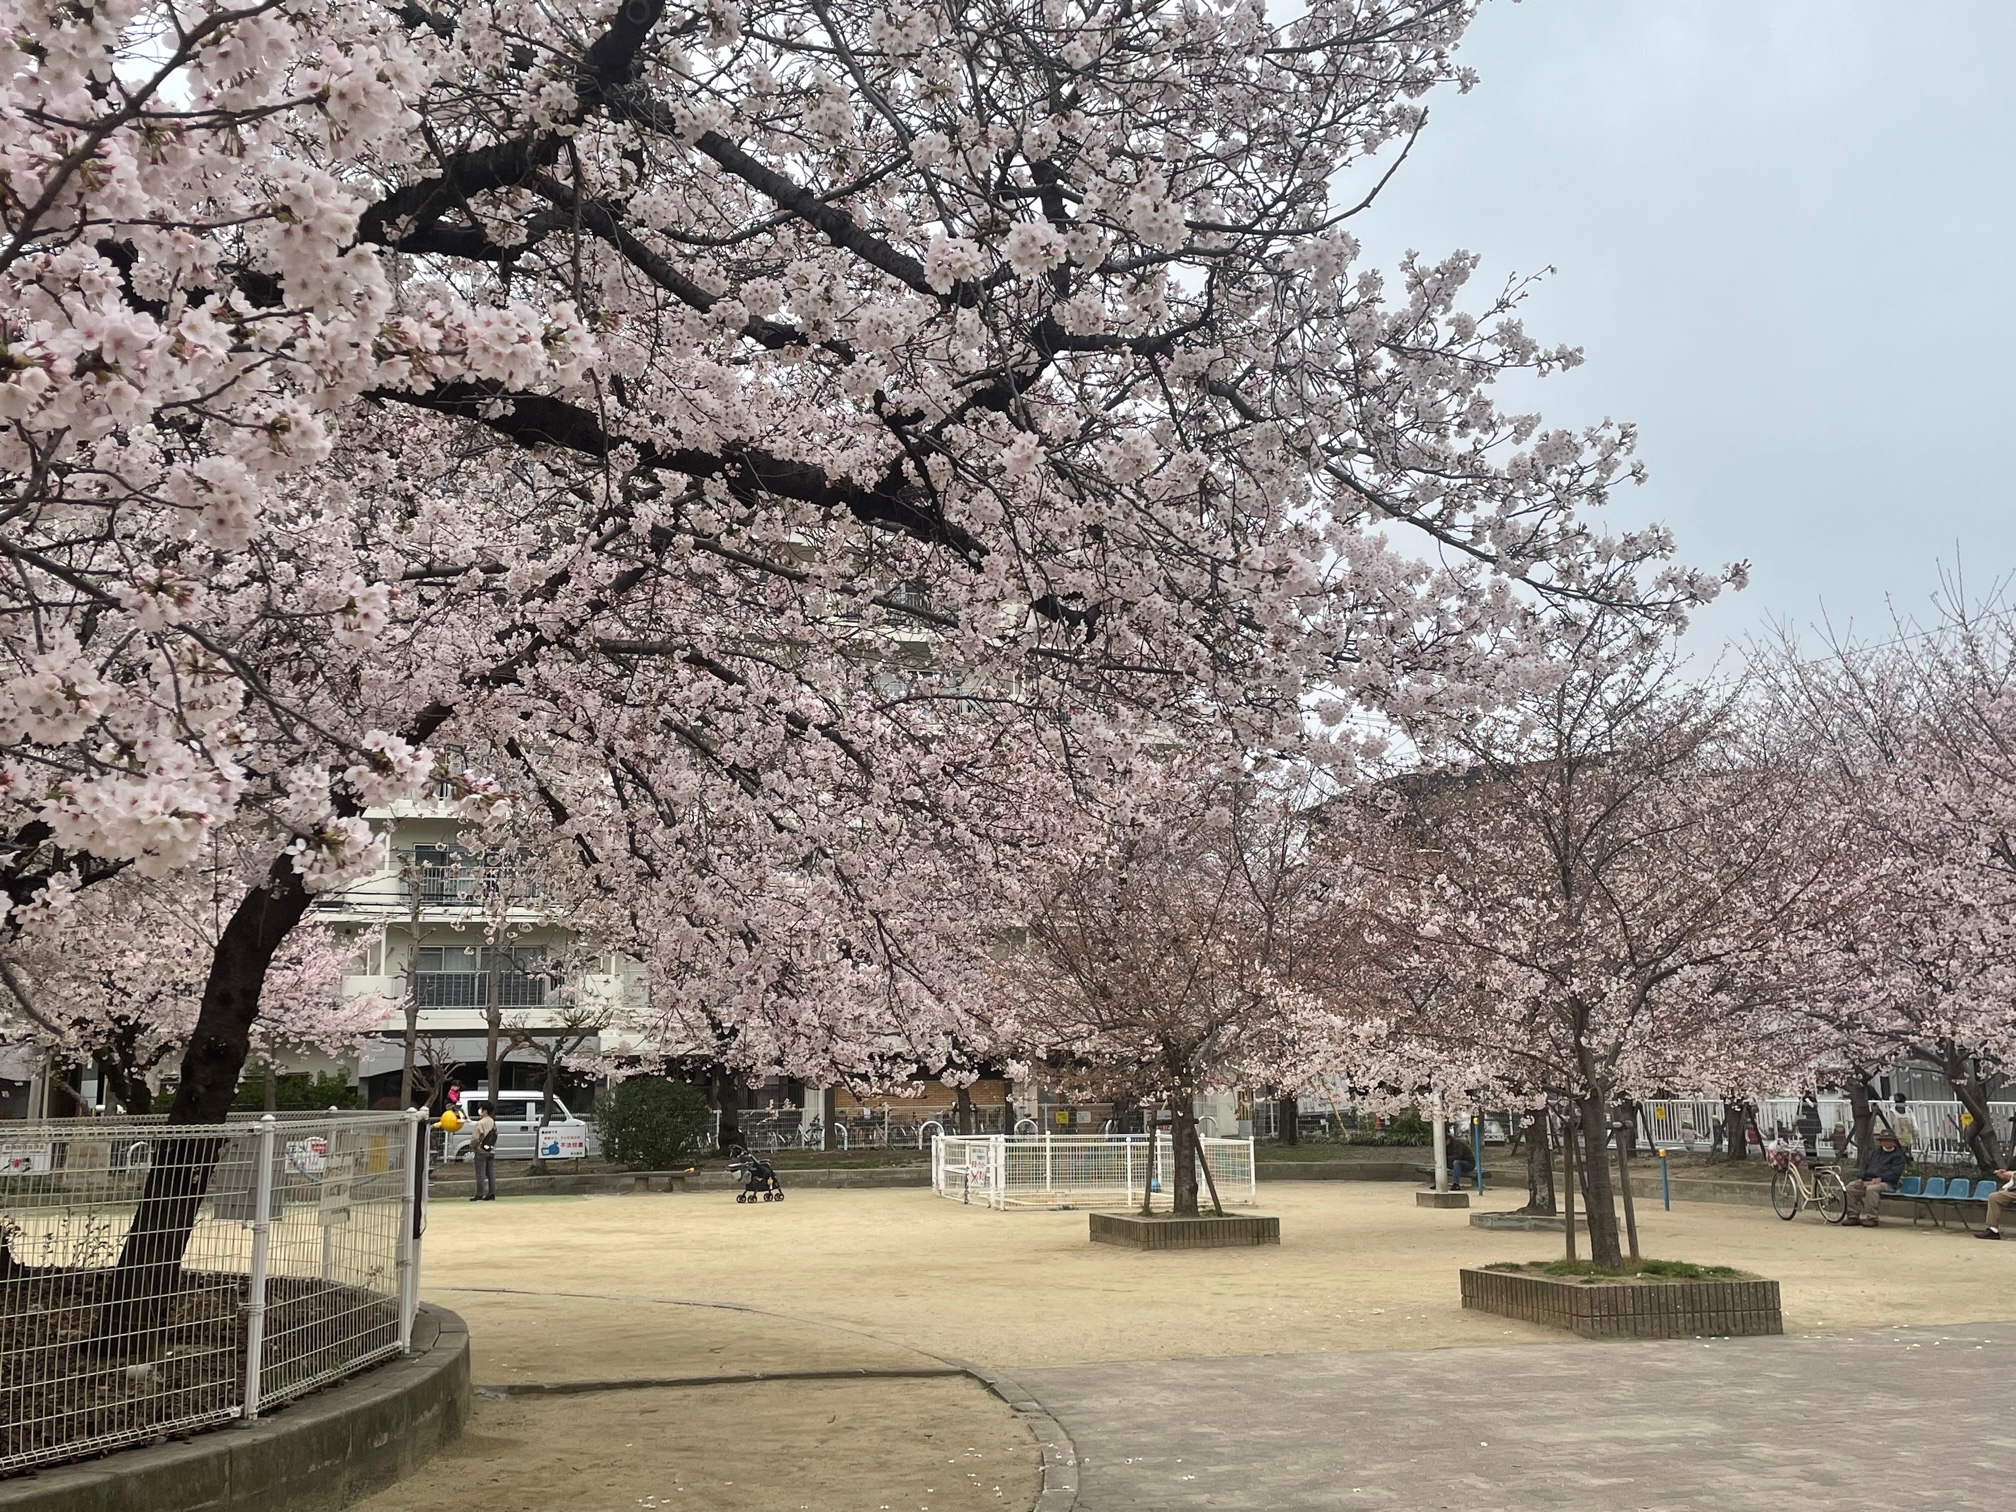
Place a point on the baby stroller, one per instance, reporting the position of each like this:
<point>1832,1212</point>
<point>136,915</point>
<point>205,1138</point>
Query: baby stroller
<point>759,1178</point>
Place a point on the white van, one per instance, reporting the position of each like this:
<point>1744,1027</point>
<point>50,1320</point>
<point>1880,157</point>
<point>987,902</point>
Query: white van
<point>518,1133</point>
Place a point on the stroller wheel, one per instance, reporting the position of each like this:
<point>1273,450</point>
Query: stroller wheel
<point>780,1194</point>
<point>741,1196</point>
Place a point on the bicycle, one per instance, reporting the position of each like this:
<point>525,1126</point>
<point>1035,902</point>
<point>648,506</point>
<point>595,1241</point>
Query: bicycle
<point>1795,1185</point>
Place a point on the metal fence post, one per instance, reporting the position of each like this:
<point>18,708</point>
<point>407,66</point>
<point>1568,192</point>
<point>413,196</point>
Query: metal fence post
<point>1000,1171</point>
<point>1049,1180</point>
<point>409,1241</point>
<point>255,1296</point>
<point>1252,1172</point>
<point>1130,1173</point>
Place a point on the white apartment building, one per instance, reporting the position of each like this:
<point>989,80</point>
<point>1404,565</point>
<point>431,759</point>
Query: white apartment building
<point>423,922</point>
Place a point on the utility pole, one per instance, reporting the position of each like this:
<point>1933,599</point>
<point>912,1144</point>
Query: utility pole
<point>410,873</point>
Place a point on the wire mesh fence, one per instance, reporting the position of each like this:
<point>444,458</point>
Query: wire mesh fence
<point>156,1279</point>
<point>1071,1170</point>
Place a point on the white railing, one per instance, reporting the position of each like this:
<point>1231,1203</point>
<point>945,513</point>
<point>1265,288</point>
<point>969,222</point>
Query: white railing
<point>1071,1170</point>
<point>1688,1124</point>
<point>276,1257</point>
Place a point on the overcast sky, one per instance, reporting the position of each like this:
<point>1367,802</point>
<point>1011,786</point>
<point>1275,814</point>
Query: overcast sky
<point>1785,236</point>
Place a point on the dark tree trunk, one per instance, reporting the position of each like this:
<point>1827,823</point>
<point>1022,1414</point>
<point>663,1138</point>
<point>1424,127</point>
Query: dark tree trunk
<point>1737,1120</point>
<point>1287,1120</point>
<point>62,1092</point>
<point>1982,1142</point>
<point>1863,1133</point>
<point>1183,1158</point>
<point>1148,1176</point>
<point>127,1086</point>
<point>1598,1192</point>
<point>493,1023</point>
<point>829,1137</point>
<point>1626,1113</point>
<point>728,1098</point>
<point>179,1174</point>
<point>1539,1167</point>
<point>962,1110</point>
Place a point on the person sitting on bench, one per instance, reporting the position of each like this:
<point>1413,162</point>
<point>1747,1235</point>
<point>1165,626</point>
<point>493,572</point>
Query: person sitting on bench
<point>1998,1202</point>
<point>1461,1160</point>
<point>1882,1169</point>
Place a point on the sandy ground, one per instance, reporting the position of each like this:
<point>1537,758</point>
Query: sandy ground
<point>1359,1267</point>
<point>607,1287</point>
<point>854,1446</point>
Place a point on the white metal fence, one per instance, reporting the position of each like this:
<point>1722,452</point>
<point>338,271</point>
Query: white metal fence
<point>1689,1124</point>
<point>1068,1170</point>
<point>156,1279</point>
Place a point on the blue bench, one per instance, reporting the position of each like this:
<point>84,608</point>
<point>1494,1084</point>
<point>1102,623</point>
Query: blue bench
<point>1935,1196</point>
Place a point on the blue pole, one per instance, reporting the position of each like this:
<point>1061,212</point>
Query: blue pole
<point>1665,1181</point>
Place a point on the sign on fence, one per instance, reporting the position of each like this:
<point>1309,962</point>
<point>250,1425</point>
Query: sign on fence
<point>305,1157</point>
<point>25,1158</point>
<point>338,1171</point>
<point>563,1144</point>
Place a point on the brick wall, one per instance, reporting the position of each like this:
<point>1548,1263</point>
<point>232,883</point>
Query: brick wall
<point>1628,1309</point>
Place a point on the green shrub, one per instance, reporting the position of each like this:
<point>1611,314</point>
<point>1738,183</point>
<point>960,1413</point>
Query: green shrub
<point>649,1124</point>
<point>298,1092</point>
<point>1589,1270</point>
<point>1409,1127</point>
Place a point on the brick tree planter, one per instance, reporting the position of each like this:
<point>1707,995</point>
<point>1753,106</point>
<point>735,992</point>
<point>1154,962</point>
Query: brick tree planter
<point>1628,1309</point>
<point>1163,1232</point>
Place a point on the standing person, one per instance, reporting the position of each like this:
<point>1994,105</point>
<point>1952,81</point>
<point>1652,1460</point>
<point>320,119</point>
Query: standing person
<point>1902,1122</point>
<point>1839,1140</point>
<point>1998,1203</point>
<point>1882,1169</point>
<point>1807,1126</point>
<point>483,1147</point>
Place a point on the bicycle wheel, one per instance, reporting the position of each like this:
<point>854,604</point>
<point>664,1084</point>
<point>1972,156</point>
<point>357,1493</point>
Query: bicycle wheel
<point>1832,1198</point>
<point>1785,1199</point>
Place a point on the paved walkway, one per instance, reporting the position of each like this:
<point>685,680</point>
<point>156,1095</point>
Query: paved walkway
<point>1900,1419</point>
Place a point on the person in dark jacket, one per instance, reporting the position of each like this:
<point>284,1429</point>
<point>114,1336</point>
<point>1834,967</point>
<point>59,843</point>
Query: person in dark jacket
<point>1882,1169</point>
<point>1462,1161</point>
<point>1807,1126</point>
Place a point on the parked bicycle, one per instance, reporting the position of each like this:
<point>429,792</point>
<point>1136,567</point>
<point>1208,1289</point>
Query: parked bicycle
<point>1797,1185</point>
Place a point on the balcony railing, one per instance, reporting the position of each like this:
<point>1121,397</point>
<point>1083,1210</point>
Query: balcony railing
<point>439,881</point>
<point>471,989</point>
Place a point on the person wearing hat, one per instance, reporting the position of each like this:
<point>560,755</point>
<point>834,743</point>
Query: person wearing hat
<point>1882,1170</point>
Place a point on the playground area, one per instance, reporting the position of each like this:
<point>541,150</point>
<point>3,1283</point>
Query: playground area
<point>607,1289</point>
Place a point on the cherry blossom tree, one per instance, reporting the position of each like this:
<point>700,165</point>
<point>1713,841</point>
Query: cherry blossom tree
<point>117,977</point>
<point>1616,887</point>
<point>1181,949</point>
<point>1918,743</point>
<point>789,442</point>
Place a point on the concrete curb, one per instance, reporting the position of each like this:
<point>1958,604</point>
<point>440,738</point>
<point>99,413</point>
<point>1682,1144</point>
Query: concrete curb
<point>317,1454</point>
<point>1059,1492</point>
